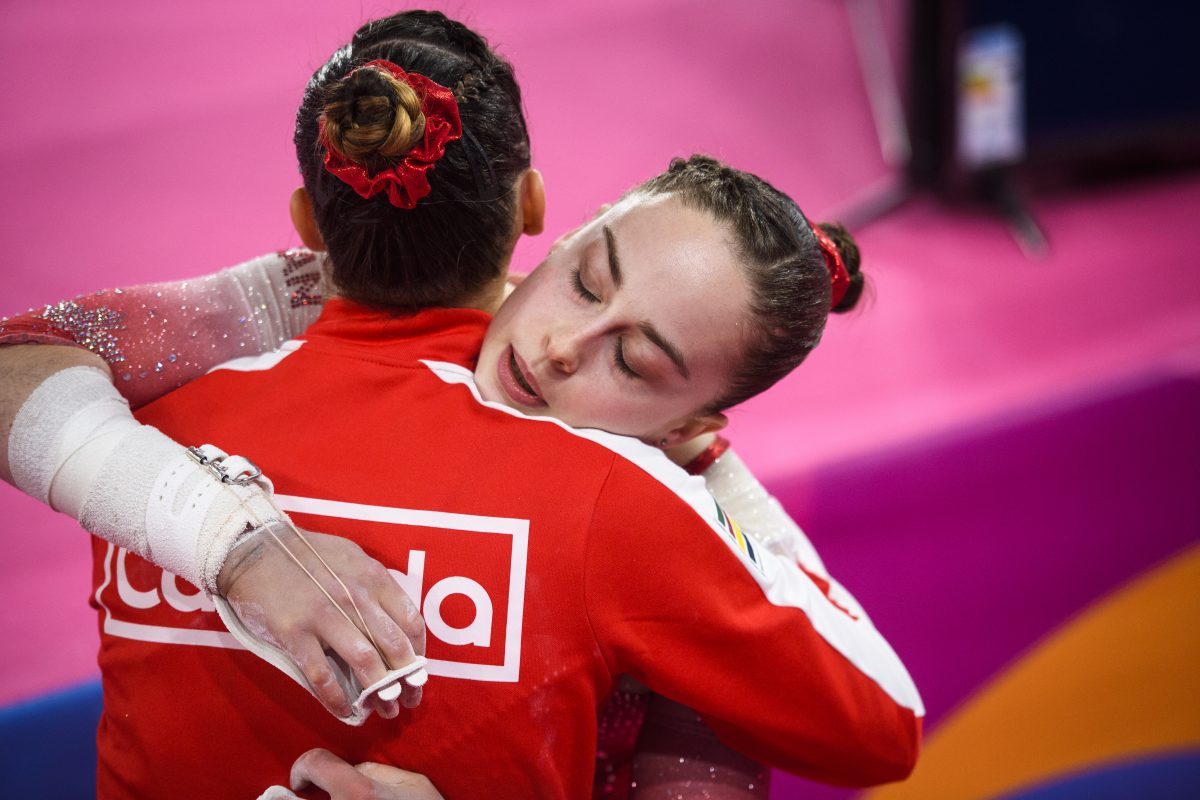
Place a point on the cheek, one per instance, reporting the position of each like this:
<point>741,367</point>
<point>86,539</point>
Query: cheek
<point>590,399</point>
<point>529,303</point>
<point>603,401</point>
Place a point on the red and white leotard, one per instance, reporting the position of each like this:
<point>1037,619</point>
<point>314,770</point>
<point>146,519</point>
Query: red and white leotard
<point>575,556</point>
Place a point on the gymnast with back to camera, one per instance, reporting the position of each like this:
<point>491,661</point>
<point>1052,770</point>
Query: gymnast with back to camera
<point>572,293</point>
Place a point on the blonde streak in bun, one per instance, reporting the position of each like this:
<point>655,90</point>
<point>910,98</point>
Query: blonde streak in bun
<point>375,127</point>
<point>332,118</point>
<point>408,122</point>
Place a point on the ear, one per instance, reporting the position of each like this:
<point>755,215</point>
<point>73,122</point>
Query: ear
<point>689,429</point>
<point>533,203</point>
<point>300,207</point>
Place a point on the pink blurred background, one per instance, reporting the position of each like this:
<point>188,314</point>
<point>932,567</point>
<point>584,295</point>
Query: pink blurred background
<point>986,450</point>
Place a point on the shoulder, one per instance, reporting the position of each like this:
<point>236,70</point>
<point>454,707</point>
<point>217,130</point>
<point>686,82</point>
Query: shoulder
<point>645,492</point>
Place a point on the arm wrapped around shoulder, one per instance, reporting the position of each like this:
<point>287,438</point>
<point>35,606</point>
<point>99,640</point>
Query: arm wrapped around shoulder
<point>776,667</point>
<point>75,446</point>
<point>158,336</point>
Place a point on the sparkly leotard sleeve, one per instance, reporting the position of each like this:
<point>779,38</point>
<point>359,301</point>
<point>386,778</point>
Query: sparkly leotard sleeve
<point>158,336</point>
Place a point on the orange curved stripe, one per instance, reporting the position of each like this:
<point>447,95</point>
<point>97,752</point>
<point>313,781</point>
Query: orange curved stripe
<point>1121,680</point>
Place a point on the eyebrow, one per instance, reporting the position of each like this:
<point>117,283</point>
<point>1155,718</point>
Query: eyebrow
<point>672,352</point>
<point>647,328</point>
<point>614,263</point>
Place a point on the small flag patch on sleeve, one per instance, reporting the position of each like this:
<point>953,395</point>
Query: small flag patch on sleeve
<point>735,534</point>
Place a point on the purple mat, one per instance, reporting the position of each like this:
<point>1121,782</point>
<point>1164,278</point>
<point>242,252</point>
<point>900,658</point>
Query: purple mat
<point>970,548</point>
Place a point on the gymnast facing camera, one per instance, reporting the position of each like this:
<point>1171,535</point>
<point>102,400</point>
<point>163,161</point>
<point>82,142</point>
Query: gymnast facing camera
<point>524,449</point>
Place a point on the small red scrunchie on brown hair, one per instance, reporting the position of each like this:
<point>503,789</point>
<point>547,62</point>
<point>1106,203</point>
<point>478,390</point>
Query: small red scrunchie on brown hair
<point>839,276</point>
<point>406,182</point>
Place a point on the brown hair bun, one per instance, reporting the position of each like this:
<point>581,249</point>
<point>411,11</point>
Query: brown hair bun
<point>372,118</point>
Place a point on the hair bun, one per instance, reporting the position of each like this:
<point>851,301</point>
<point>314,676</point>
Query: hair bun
<point>372,118</point>
<point>848,249</point>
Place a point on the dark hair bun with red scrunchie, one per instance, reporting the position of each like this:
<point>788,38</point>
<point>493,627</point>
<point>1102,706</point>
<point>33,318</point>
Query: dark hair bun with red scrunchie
<point>444,238</point>
<point>848,249</point>
<point>372,118</point>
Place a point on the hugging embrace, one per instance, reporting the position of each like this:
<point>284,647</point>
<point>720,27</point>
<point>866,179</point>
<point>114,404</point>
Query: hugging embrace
<point>515,496</point>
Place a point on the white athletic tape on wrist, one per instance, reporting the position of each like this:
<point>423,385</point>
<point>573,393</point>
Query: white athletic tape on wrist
<point>93,433</point>
<point>76,446</point>
<point>37,445</point>
<point>191,517</point>
<point>187,520</point>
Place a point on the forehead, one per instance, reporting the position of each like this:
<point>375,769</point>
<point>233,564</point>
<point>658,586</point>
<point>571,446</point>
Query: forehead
<point>659,237</point>
<point>679,269</point>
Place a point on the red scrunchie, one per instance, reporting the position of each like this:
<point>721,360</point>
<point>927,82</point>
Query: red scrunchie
<point>707,457</point>
<point>839,276</point>
<point>407,182</point>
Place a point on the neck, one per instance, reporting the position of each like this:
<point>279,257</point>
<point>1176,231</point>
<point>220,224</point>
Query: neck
<point>489,297</point>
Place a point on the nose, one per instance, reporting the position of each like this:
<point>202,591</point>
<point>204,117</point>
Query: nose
<point>563,350</point>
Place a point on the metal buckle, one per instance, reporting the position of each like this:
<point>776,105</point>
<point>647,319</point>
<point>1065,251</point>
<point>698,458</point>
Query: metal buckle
<point>197,456</point>
<point>213,465</point>
<point>246,474</point>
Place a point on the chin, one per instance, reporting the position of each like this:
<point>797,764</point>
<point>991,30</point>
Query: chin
<point>492,394</point>
<point>485,379</point>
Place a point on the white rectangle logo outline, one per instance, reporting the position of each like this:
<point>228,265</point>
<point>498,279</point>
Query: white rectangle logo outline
<point>518,529</point>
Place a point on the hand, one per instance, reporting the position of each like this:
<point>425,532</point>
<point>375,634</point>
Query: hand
<point>278,603</point>
<point>367,781</point>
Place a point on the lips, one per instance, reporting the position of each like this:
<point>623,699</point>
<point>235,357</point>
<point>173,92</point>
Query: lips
<point>517,381</point>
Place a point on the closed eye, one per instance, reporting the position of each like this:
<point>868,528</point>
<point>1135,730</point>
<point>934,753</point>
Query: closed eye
<point>580,289</point>
<point>622,364</point>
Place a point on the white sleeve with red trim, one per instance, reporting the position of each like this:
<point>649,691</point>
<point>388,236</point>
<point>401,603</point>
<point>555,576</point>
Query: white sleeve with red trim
<point>680,599</point>
<point>158,336</point>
